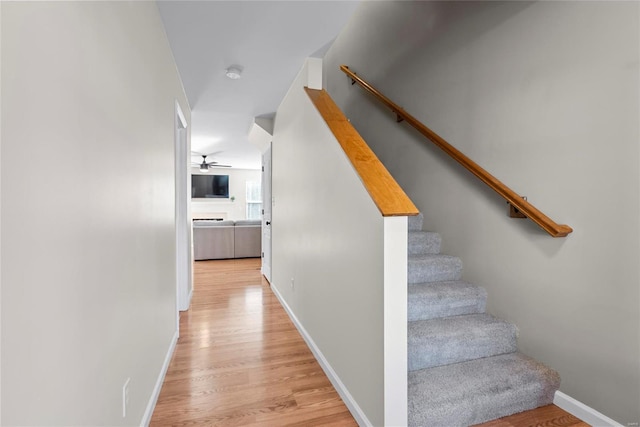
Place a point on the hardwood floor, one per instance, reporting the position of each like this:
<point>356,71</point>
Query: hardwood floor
<point>241,362</point>
<point>546,416</point>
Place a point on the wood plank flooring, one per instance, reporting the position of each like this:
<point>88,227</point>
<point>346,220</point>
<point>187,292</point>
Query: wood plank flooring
<point>241,362</point>
<point>546,416</point>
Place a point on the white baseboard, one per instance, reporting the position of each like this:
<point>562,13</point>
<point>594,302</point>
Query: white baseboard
<point>354,408</point>
<point>146,419</point>
<point>582,411</point>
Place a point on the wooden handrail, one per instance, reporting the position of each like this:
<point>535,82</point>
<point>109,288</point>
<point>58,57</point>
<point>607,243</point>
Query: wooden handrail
<point>385,192</point>
<point>517,202</point>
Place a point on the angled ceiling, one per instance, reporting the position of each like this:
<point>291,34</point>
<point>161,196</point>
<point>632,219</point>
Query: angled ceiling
<point>268,39</point>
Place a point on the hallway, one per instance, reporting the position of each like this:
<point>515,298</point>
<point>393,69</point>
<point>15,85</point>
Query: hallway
<point>240,360</point>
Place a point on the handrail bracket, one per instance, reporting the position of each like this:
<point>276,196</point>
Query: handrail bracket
<point>514,212</point>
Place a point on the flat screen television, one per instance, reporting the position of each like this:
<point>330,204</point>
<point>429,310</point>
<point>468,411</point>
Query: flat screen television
<point>209,186</point>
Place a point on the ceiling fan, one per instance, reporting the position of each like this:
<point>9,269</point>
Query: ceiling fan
<point>204,166</point>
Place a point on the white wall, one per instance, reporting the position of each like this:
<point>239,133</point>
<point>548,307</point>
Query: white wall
<point>328,240</point>
<point>89,296</point>
<point>235,210</point>
<point>545,96</point>
<point>0,214</point>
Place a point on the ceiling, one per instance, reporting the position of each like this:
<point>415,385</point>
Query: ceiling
<point>268,39</point>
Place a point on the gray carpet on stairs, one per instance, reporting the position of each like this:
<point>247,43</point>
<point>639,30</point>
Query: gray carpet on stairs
<point>415,222</point>
<point>424,242</point>
<point>464,367</point>
<point>440,299</point>
<point>479,390</point>
<point>458,339</point>
<point>434,268</point>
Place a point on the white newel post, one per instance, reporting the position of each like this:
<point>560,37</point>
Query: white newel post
<point>395,320</point>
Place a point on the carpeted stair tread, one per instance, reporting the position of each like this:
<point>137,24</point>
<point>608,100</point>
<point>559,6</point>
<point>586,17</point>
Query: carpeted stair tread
<point>433,268</point>
<point>458,339</point>
<point>423,242</point>
<point>480,390</point>
<point>415,222</point>
<point>441,299</point>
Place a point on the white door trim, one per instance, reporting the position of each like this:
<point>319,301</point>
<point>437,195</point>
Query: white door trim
<point>266,209</point>
<point>184,286</point>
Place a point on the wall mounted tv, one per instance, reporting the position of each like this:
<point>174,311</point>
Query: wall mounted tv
<point>209,186</point>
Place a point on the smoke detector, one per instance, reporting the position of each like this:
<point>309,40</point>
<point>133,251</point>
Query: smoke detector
<point>234,72</point>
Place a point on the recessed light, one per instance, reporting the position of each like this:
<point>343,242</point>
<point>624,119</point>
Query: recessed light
<point>234,72</point>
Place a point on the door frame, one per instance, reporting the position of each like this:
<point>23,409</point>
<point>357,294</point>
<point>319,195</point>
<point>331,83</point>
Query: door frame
<point>267,207</point>
<point>184,274</point>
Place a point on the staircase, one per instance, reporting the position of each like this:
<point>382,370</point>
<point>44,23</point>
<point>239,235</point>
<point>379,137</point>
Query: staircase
<point>464,364</point>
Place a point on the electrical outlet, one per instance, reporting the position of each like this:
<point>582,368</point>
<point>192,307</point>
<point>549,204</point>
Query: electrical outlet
<point>293,285</point>
<point>125,397</point>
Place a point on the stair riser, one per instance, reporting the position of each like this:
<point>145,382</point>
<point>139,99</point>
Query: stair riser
<point>422,243</point>
<point>415,222</point>
<point>445,341</point>
<point>486,408</point>
<point>423,310</point>
<point>448,353</point>
<point>442,299</point>
<point>478,391</point>
<point>421,271</point>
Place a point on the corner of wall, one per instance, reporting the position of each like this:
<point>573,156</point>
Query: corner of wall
<point>259,137</point>
<point>314,73</point>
